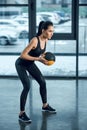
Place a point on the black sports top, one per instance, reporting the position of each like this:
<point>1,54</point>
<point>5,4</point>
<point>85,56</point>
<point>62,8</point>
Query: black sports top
<point>37,51</point>
<point>34,52</point>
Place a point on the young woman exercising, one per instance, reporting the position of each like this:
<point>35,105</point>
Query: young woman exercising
<point>25,63</point>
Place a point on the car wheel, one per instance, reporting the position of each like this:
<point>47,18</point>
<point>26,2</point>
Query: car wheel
<point>3,41</point>
<point>23,35</point>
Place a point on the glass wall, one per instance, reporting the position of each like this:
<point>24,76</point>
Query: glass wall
<point>83,38</point>
<point>14,35</point>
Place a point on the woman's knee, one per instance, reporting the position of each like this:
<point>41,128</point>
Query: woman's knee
<point>26,84</point>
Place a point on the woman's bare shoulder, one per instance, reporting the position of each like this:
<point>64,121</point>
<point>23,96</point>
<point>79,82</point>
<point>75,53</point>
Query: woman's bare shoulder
<point>33,42</point>
<point>34,39</point>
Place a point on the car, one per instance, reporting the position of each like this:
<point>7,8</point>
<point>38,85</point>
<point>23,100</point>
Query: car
<point>24,20</point>
<point>20,20</point>
<point>52,16</point>
<point>8,37</point>
<point>63,16</point>
<point>22,30</point>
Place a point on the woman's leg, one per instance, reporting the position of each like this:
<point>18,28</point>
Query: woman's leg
<point>36,74</point>
<point>21,70</point>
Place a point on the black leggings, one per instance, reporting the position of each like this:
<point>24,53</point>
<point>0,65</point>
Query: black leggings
<point>36,74</point>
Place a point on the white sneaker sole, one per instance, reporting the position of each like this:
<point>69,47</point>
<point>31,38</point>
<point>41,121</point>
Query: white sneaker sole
<point>49,111</point>
<point>27,121</point>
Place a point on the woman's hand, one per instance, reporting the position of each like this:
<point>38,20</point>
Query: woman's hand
<point>43,60</point>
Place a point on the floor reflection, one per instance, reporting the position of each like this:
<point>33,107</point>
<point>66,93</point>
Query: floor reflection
<point>45,116</point>
<point>23,125</point>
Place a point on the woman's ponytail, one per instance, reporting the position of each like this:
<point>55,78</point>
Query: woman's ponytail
<point>40,28</point>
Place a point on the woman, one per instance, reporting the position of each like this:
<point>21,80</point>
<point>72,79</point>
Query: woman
<point>25,63</point>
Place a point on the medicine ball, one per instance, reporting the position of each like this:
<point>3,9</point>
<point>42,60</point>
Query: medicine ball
<point>50,57</point>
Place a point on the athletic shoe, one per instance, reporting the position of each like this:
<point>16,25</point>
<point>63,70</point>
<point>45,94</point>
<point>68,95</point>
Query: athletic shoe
<point>24,118</point>
<point>49,109</point>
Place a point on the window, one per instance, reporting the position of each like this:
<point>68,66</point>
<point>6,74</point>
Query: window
<point>14,2</point>
<point>14,28</point>
<point>82,38</point>
<point>60,13</point>
<point>83,1</point>
<point>14,33</point>
<point>83,29</point>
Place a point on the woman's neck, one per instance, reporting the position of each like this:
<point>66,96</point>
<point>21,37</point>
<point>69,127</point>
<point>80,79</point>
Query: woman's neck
<point>42,38</point>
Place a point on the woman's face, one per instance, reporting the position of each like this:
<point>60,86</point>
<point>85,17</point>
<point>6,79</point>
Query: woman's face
<point>49,32</point>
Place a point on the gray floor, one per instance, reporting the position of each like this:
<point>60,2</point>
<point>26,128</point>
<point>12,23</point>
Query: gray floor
<point>67,96</point>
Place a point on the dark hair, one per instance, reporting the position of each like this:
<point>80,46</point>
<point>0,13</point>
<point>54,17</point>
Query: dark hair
<point>43,25</point>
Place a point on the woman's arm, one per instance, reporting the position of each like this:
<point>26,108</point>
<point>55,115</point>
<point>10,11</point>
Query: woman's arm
<point>31,45</point>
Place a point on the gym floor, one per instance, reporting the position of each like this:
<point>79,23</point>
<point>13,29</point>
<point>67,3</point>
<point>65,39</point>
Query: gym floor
<point>68,97</point>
